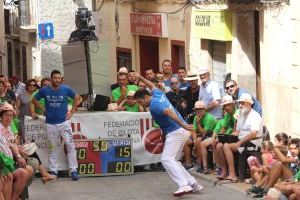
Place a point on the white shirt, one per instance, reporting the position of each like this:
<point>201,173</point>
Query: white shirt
<point>252,122</point>
<point>208,92</point>
<point>20,88</point>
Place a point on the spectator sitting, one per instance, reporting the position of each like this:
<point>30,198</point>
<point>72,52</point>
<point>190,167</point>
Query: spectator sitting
<point>224,126</point>
<point>175,96</point>
<point>130,104</point>
<point>256,169</point>
<point>203,124</point>
<point>119,94</point>
<point>248,128</point>
<point>274,172</point>
<point>286,166</point>
<point>235,91</point>
<point>8,147</point>
<point>181,76</point>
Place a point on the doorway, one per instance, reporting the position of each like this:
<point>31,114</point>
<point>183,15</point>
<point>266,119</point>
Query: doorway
<point>177,55</point>
<point>149,56</point>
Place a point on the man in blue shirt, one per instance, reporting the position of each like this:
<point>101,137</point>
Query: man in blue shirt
<point>236,92</point>
<point>58,121</point>
<point>176,133</point>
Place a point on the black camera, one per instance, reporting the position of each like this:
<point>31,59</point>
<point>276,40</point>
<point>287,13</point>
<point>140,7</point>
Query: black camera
<point>84,31</point>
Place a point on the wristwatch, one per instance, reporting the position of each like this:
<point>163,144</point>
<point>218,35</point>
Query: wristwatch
<point>19,156</point>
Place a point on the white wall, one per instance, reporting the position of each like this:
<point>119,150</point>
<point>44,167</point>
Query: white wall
<point>280,69</point>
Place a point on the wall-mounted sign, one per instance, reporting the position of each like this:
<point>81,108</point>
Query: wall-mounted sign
<point>151,24</point>
<point>212,25</point>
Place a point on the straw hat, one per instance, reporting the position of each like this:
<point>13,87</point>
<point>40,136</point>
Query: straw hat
<point>191,77</point>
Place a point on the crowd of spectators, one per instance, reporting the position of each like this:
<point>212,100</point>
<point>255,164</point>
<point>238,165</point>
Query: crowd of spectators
<point>226,125</point>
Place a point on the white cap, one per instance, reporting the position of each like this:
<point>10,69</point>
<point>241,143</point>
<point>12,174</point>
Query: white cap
<point>112,107</point>
<point>245,97</point>
<point>123,70</point>
<point>203,70</point>
<point>199,104</point>
<point>131,93</point>
<point>227,99</point>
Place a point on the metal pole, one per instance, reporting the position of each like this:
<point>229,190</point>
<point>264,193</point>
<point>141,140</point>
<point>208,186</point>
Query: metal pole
<point>89,73</point>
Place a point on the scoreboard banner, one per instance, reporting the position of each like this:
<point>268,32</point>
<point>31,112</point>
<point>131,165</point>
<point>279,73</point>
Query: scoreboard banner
<point>147,141</point>
<point>102,157</point>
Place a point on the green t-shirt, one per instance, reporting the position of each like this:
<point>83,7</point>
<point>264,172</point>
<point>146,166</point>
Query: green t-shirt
<point>133,108</point>
<point>41,101</point>
<point>227,123</point>
<point>15,126</point>
<point>116,93</point>
<point>208,122</point>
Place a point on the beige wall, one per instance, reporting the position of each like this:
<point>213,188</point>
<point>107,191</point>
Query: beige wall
<point>280,69</point>
<point>123,37</point>
<point>2,40</point>
<point>242,63</point>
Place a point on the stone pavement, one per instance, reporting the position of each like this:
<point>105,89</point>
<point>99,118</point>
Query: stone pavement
<point>141,186</point>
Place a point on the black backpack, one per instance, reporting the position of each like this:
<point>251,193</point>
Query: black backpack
<point>101,103</point>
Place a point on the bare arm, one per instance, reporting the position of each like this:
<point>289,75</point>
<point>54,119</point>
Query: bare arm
<point>146,81</point>
<point>249,137</point>
<point>214,104</point>
<point>34,103</point>
<point>18,105</point>
<point>282,157</point>
<point>74,107</point>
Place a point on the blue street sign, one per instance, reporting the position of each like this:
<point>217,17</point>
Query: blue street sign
<point>46,31</point>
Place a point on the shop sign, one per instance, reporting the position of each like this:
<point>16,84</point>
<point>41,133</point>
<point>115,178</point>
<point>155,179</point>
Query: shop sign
<point>151,24</point>
<point>212,25</point>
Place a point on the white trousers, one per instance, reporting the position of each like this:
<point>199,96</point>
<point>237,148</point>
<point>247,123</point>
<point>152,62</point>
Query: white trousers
<point>172,151</point>
<point>54,134</point>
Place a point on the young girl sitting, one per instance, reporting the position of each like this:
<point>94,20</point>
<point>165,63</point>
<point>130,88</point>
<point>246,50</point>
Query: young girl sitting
<point>256,169</point>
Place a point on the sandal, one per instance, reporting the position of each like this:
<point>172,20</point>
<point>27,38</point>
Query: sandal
<point>206,170</point>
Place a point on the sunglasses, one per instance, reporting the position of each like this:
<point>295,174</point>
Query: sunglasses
<point>230,86</point>
<point>174,83</point>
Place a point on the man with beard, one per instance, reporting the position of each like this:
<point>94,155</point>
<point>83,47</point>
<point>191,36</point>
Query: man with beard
<point>176,133</point>
<point>58,121</point>
<point>249,126</point>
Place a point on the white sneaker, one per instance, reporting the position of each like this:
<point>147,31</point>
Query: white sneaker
<point>183,190</point>
<point>197,187</point>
